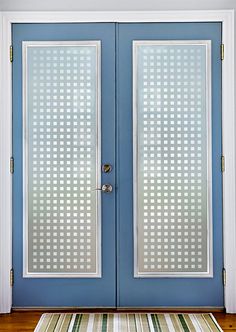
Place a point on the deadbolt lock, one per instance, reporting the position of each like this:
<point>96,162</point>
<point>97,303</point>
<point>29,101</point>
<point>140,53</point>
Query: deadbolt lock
<point>106,168</point>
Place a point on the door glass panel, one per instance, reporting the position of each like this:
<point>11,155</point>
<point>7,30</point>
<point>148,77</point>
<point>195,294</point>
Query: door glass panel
<point>172,158</point>
<point>61,159</point>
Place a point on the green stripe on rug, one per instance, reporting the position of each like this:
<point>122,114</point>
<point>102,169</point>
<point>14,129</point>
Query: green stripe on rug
<point>127,323</point>
<point>156,329</point>
<point>182,321</point>
<point>77,322</point>
<point>104,323</point>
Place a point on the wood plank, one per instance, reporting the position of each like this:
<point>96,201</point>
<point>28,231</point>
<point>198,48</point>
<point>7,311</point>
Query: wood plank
<point>226,321</point>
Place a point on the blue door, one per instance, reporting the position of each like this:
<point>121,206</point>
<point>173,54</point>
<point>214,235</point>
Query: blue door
<point>116,128</point>
<point>169,181</point>
<point>63,125</point>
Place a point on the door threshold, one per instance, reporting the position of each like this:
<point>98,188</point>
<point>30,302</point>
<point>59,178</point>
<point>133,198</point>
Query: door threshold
<point>120,309</point>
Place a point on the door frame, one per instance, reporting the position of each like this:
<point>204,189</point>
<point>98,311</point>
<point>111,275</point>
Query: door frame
<point>226,17</point>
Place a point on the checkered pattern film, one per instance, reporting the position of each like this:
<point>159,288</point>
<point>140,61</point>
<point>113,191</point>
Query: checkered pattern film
<point>171,112</point>
<point>61,127</point>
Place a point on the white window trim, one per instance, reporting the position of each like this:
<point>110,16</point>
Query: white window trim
<point>228,123</point>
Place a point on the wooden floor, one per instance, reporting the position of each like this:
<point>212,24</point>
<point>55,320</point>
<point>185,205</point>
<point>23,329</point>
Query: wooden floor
<point>26,321</point>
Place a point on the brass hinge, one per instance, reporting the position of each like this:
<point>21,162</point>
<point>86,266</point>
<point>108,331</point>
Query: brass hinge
<point>11,165</point>
<point>222,164</point>
<point>11,277</point>
<point>222,51</point>
<point>224,276</point>
<point>11,53</point>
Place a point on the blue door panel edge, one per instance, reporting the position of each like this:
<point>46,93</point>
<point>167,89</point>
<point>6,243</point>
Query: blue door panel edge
<point>67,292</point>
<point>163,291</point>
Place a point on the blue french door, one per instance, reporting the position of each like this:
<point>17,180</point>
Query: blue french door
<point>169,180</point>
<point>63,132</point>
<point>116,128</point>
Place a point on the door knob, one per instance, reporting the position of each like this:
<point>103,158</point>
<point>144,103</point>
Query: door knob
<point>106,188</point>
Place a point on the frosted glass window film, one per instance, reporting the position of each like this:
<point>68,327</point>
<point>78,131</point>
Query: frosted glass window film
<point>172,158</point>
<point>62,235</point>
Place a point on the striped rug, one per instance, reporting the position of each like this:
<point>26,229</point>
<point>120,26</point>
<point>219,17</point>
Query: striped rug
<point>56,322</point>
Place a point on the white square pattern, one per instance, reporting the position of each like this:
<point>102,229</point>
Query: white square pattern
<point>61,142</point>
<point>171,159</point>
